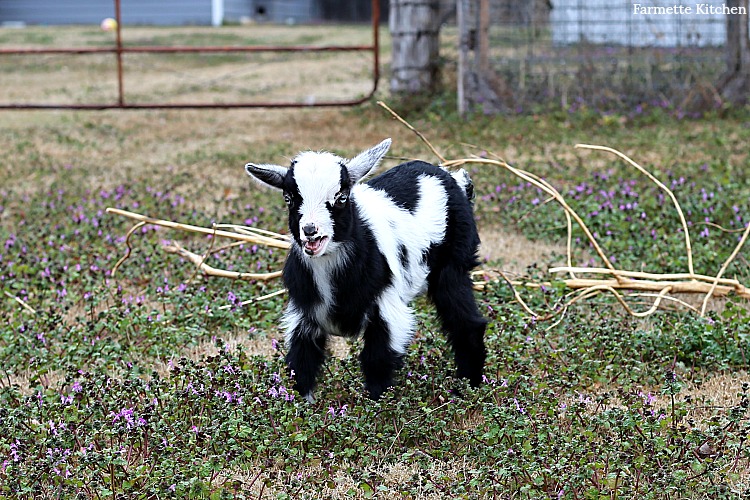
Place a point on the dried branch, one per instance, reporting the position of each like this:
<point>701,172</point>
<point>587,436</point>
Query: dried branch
<point>669,299</point>
<point>719,227</point>
<point>640,285</point>
<point>200,265</point>
<point>661,185</point>
<point>724,268</point>
<point>130,248</point>
<point>242,233</point>
<point>408,125</point>
<point>518,296</point>
<point>255,300</point>
<point>660,284</point>
<point>199,261</point>
<point>249,230</point>
<point>20,301</point>
<point>276,240</point>
<point>648,276</point>
<point>544,186</point>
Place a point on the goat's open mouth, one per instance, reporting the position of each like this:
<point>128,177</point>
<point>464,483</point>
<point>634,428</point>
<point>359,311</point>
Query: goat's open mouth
<point>316,246</point>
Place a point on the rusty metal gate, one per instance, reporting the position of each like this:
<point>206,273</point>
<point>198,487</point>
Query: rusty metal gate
<point>119,49</point>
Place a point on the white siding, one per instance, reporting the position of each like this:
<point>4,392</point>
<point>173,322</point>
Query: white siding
<point>610,22</point>
<point>163,12</point>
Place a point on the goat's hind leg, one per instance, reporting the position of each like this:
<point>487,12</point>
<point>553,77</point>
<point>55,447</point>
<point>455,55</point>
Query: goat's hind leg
<point>452,293</point>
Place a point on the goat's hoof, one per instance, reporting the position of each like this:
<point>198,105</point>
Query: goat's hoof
<point>375,391</point>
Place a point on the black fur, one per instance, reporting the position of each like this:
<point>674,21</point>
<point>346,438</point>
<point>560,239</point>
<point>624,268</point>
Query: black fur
<point>403,255</point>
<point>378,360</point>
<point>400,182</point>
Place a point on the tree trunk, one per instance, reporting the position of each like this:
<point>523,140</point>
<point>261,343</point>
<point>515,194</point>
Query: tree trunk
<point>734,85</point>
<point>414,26</point>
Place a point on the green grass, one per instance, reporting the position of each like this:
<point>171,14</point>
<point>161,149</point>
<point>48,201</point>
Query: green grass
<point>100,398</point>
<point>141,385</point>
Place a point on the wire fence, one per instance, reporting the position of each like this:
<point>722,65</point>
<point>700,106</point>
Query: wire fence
<point>525,55</point>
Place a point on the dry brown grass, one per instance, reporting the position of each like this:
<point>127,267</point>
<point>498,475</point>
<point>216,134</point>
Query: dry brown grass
<point>23,380</point>
<point>252,346</point>
<point>184,78</point>
<point>343,485</point>
<point>515,252</point>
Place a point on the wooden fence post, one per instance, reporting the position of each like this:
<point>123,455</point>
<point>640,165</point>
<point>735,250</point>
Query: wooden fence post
<point>414,26</point>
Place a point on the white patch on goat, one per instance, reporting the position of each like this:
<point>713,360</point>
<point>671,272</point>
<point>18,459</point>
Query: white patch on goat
<point>399,318</point>
<point>416,231</point>
<point>322,270</point>
<point>318,177</point>
<point>291,320</point>
<point>461,177</point>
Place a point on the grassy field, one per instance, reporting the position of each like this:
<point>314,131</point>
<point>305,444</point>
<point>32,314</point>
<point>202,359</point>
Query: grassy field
<point>144,385</point>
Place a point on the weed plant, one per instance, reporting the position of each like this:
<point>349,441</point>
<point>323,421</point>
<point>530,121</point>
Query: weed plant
<point>142,386</point>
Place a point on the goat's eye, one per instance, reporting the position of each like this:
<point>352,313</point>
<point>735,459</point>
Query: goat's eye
<point>341,199</point>
<point>287,199</point>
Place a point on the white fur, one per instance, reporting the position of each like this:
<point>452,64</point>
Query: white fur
<point>289,322</point>
<point>322,270</point>
<point>393,227</point>
<point>318,177</point>
<point>399,317</point>
<point>461,177</point>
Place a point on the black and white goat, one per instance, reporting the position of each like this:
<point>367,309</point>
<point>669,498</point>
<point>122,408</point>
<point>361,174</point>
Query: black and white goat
<point>362,252</point>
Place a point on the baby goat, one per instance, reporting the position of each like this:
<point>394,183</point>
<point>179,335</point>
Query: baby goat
<point>362,252</point>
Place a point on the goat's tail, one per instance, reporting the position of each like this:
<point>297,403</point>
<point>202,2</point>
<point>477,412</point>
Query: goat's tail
<point>463,180</point>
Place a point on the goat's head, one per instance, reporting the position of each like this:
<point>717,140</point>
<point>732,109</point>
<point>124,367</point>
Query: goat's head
<point>316,189</point>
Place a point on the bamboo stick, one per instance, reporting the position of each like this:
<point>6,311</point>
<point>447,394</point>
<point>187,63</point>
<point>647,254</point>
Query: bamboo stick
<point>277,241</point>
<point>688,246</point>
<point>639,274</point>
<point>200,263</point>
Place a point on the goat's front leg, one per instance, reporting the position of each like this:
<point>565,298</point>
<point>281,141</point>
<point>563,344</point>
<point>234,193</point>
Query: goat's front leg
<point>386,339</point>
<point>306,350</point>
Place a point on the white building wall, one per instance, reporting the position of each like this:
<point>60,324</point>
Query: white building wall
<point>625,22</point>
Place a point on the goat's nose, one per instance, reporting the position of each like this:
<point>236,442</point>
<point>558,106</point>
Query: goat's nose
<point>309,229</point>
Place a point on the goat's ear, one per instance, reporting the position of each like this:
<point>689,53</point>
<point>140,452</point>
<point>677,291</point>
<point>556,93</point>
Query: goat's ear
<point>269,175</point>
<point>360,165</point>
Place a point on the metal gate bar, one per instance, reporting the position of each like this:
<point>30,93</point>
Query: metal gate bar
<point>119,49</point>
